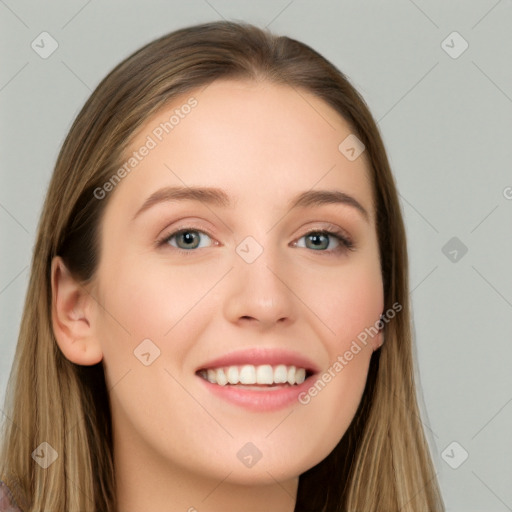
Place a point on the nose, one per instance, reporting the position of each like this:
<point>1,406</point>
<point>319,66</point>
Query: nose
<point>259,294</point>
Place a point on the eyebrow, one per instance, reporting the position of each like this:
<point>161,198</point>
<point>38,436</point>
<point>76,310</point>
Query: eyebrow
<point>217,197</point>
<point>321,197</point>
<point>210,196</point>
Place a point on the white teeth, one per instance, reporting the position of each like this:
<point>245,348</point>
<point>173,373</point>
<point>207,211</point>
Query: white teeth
<point>249,374</point>
<point>280,374</point>
<point>265,374</point>
<point>296,375</point>
<point>300,375</point>
<point>233,375</point>
<point>221,377</point>
<point>291,375</point>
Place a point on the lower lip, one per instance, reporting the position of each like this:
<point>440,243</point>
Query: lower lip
<point>259,400</point>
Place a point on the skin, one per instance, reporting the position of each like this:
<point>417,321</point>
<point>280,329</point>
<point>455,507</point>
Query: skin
<point>175,443</point>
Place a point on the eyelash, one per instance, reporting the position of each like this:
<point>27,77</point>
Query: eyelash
<point>344,242</point>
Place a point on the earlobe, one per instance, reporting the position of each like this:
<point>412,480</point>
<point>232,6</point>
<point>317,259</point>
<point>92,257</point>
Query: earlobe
<point>379,340</point>
<point>73,317</point>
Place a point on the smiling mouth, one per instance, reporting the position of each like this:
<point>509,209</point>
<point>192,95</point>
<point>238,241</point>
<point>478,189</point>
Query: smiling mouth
<point>256,377</point>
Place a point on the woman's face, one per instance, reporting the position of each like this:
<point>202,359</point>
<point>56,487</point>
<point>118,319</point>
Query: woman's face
<point>222,273</point>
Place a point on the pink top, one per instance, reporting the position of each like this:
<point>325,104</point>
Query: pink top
<point>7,502</point>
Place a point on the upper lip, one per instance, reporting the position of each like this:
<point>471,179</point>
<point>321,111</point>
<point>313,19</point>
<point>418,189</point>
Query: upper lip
<point>260,356</point>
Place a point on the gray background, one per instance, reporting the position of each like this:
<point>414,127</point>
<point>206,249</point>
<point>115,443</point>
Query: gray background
<point>446,123</point>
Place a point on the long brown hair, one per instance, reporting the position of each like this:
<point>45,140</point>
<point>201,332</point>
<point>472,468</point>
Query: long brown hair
<point>382,463</point>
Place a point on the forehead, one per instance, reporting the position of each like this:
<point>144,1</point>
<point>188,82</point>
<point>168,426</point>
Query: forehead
<point>251,138</point>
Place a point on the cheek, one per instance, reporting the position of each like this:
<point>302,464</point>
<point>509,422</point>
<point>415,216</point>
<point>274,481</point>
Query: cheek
<point>348,301</point>
<point>356,307</point>
<point>150,300</point>
<point>350,304</point>
<point>151,317</point>
<point>141,302</point>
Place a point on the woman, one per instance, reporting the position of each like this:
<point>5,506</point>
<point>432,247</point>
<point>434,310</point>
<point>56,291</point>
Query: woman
<point>217,316</point>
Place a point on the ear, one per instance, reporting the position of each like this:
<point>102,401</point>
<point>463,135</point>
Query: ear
<point>378,339</point>
<point>73,317</point>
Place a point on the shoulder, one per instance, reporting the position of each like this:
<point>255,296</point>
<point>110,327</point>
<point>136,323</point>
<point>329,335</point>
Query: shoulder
<point>7,502</point>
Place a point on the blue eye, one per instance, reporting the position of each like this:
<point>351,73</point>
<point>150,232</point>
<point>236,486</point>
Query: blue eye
<point>186,239</point>
<point>325,241</point>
